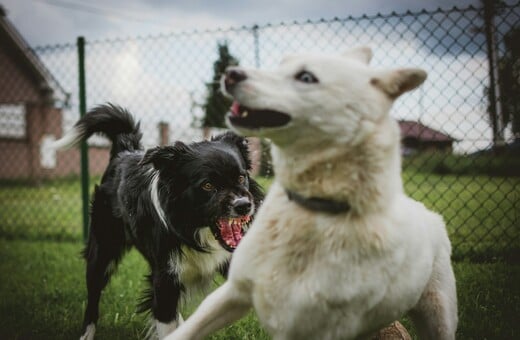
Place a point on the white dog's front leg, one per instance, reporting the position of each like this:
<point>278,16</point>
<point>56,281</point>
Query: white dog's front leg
<point>225,305</point>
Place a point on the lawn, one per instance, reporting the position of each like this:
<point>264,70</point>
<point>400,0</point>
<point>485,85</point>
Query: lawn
<point>42,289</point>
<point>42,296</point>
<point>482,213</point>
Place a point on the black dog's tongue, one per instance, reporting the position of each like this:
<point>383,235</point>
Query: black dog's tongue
<point>235,109</point>
<point>231,231</point>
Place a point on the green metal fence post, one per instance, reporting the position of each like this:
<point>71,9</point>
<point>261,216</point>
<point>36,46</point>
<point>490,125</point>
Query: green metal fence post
<point>257,46</point>
<point>84,146</point>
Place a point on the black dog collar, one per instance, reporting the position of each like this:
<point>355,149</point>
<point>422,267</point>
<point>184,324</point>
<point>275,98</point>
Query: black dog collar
<point>318,204</point>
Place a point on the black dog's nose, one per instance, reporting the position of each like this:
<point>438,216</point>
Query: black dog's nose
<point>233,76</point>
<point>242,206</point>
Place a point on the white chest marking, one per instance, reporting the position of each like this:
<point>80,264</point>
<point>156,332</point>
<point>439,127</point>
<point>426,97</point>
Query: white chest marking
<point>197,268</point>
<point>154,194</point>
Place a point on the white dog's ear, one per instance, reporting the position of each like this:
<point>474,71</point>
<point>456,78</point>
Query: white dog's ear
<point>363,54</point>
<point>396,82</point>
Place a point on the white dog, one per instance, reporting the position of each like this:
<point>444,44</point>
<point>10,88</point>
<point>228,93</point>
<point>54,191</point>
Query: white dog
<point>337,250</point>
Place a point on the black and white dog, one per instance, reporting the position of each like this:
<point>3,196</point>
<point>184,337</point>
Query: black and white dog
<point>184,207</point>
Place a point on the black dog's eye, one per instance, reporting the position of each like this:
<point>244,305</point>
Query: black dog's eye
<point>208,186</point>
<point>241,179</point>
<point>306,77</point>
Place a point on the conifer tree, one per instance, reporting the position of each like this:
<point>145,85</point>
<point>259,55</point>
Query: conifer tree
<point>216,105</point>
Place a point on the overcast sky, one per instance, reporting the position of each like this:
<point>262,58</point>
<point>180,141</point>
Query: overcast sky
<point>44,22</point>
<point>144,74</point>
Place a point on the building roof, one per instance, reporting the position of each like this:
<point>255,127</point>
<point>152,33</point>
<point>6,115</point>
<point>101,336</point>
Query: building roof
<point>416,130</point>
<point>46,81</point>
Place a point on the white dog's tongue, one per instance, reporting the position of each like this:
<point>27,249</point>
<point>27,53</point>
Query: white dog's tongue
<point>235,109</point>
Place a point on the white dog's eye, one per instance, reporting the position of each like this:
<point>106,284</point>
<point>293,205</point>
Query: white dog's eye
<point>306,77</point>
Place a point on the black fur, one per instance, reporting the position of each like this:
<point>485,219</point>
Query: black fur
<point>123,214</point>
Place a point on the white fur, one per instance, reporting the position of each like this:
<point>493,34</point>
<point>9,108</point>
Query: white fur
<point>89,332</point>
<point>154,195</point>
<point>72,138</point>
<point>163,329</point>
<point>312,275</point>
<point>196,269</point>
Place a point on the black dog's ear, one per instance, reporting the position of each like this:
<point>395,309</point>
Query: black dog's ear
<point>165,157</point>
<point>240,142</point>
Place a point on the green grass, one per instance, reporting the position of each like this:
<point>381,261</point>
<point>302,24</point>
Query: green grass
<point>482,213</point>
<point>42,296</point>
<point>48,211</point>
<point>42,289</point>
<point>502,164</point>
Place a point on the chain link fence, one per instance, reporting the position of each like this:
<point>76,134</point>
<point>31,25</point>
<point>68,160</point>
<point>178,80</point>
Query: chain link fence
<point>460,130</point>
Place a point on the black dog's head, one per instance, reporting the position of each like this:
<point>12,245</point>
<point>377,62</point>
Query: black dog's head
<point>207,184</point>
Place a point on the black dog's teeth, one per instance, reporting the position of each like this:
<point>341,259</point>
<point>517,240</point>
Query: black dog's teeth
<point>230,231</point>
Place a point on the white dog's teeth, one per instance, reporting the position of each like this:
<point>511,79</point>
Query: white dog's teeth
<point>244,114</point>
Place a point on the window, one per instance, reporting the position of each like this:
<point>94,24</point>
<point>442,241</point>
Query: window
<point>12,121</point>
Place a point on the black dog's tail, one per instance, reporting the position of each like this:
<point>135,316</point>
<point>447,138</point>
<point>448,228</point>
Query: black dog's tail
<point>113,122</point>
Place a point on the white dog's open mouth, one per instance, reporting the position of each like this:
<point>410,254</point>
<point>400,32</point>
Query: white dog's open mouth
<point>245,117</point>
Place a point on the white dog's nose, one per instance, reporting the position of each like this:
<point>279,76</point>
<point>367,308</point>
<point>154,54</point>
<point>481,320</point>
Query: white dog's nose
<point>233,76</point>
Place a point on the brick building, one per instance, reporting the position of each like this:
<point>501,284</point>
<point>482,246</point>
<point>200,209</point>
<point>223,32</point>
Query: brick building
<point>416,137</point>
<point>31,115</point>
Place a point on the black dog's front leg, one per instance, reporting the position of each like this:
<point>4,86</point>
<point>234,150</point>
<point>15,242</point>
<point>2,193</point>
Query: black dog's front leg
<point>167,291</point>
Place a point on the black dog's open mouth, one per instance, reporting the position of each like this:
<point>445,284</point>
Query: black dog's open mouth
<point>230,230</point>
<point>241,116</point>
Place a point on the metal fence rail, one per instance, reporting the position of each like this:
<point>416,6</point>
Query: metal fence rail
<point>460,129</point>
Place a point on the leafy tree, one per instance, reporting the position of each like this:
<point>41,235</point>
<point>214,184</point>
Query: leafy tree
<point>216,104</point>
<point>508,66</point>
<point>509,81</point>
<point>507,74</point>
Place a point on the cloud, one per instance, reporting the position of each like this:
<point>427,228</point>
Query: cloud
<point>158,78</point>
<point>59,21</point>
<point>40,23</point>
<point>253,11</point>
<point>44,23</point>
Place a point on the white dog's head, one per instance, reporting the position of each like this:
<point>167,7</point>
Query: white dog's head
<point>315,97</point>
